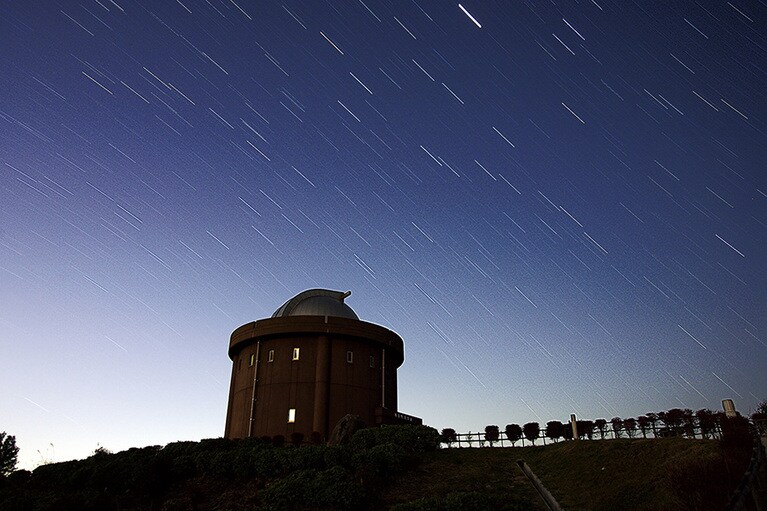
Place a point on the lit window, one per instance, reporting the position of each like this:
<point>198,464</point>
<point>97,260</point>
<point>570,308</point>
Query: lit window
<point>372,362</point>
<point>349,356</point>
<point>295,353</point>
<point>252,358</point>
<point>271,355</point>
<point>292,414</point>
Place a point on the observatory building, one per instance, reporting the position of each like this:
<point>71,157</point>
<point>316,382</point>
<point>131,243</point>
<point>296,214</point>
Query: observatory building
<point>313,362</point>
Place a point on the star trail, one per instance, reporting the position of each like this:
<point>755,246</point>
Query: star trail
<point>560,207</point>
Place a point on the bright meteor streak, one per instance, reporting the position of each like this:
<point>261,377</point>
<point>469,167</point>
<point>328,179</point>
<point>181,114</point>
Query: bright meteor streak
<point>472,18</point>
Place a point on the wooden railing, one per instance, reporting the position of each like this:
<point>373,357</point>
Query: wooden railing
<point>478,439</point>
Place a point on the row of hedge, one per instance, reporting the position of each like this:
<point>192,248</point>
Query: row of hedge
<point>306,477</point>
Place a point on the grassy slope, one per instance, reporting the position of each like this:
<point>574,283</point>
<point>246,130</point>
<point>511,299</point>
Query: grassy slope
<point>594,475</point>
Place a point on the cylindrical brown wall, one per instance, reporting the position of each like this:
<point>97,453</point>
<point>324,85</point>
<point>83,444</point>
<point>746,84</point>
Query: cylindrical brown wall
<point>321,386</point>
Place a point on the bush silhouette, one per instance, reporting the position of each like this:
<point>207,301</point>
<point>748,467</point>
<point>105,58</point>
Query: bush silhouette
<point>513,432</point>
<point>630,427</point>
<point>448,436</point>
<point>531,430</point>
<point>296,439</point>
<point>554,430</point>
<point>491,434</point>
<point>617,425</point>
<point>601,425</point>
<point>315,438</point>
<point>8,454</point>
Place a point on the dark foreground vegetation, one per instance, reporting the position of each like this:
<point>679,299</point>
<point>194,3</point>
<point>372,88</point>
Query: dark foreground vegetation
<point>395,467</point>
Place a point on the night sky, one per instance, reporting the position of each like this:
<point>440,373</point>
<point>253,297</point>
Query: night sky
<point>560,206</point>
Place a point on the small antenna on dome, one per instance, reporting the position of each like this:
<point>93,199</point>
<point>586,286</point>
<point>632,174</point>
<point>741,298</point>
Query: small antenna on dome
<point>345,295</point>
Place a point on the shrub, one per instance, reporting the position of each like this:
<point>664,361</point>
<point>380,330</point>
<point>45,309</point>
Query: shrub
<point>588,429</point>
<point>465,501</point>
<point>315,438</point>
<point>617,425</point>
<point>278,440</point>
<point>328,489</point>
<point>380,462</point>
<point>674,418</point>
<point>9,454</point>
<point>296,439</point>
<point>706,422</point>
<point>513,432</point>
<point>412,438</point>
<point>337,456</point>
<point>644,424</point>
<point>448,436</point>
<point>601,425</point>
<point>532,431</point>
<point>554,430</point>
<point>491,434</point>
<point>468,501</point>
<point>630,426</point>
<point>424,504</point>
<point>310,456</point>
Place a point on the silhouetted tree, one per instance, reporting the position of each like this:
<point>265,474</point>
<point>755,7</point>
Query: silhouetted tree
<point>662,418</point>
<point>760,417</point>
<point>688,423</point>
<point>588,426</point>
<point>8,454</point>
<point>315,438</point>
<point>706,422</point>
<point>491,434</point>
<point>601,425</point>
<point>448,436</point>
<point>617,424</point>
<point>673,419</point>
<point>278,440</point>
<point>652,417</point>
<point>554,430</point>
<point>531,430</point>
<point>513,432</point>
<point>719,418</point>
<point>630,426</point>
<point>567,430</point>
<point>644,425</point>
<point>762,407</point>
<point>579,428</point>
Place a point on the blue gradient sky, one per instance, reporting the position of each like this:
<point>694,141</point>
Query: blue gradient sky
<point>563,211</point>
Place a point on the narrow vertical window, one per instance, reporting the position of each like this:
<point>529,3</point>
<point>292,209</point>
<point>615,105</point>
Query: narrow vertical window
<point>292,415</point>
<point>252,359</point>
<point>350,356</point>
<point>372,362</point>
<point>295,353</point>
<point>271,356</point>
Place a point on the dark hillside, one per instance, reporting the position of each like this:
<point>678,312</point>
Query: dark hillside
<point>396,466</point>
<point>650,474</point>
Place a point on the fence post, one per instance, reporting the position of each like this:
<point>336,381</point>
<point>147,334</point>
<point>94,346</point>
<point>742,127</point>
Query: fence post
<point>551,503</point>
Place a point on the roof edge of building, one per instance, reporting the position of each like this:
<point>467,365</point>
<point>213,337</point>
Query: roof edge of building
<point>287,326</point>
